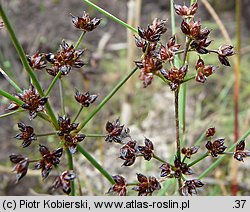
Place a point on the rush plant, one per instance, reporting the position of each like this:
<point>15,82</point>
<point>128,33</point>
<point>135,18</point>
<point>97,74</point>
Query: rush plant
<point>161,59</point>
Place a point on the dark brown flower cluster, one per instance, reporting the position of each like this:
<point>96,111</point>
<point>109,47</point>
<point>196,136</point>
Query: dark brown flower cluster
<point>27,134</point>
<point>116,131</point>
<point>85,99</point>
<point>64,59</point>
<point>85,23</point>
<point>202,71</point>
<point>224,52</point>
<point>189,151</point>
<point>146,185</point>
<point>63,181</point>
<point>175,76</point>
<point>151,62</point>
<point>176,170</point>
<point>65,129</point>
<point>48,160</point>
<point>189,187</point>
<point>37,61</point>
<point>33,102</point>
<point>119,187</point>
<point>130,150</point>
<point>240,151</point>
<point>21,167</point>
<point>186,12</point>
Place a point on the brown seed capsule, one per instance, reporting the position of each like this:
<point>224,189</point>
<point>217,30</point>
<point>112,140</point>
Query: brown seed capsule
<point>210,132</point>
<point>147,150</point>
<point>64,59</point>
<point>37,61</point>
<point>154,31</point>
<point>189,187</point>
<point>33,102</point>
<point>65,125</point>
<point>119,186</point>
<point>128,153</point>
<point>186,12</point>
<point>63,181</point>
<point>49,159</point>
<point>85,99</point>
<point>21,167</point>
<point>116,131</point>
<point>203,71</point>
<point>27,134</point>
<point>149,66</point>
<point>217,147</point>
<point>223,52</point>
<point>240,151</point>
<point>189,151</point>
<point>146,185</point>
<point>85,23</point>
<point>175,76</point>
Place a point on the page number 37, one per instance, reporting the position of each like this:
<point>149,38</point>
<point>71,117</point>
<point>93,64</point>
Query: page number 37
<point>239,203</point>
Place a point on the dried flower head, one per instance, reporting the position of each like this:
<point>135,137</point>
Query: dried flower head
<point>203,71</point>
<point>189,151</point>
<point>154,31</point>
<point>191,29</point>
<point>223,53</point>
<point>167,52</point>
<point>21,167</point>
<point>210,132</point>
<point>119,186</point>
<point>63,181</point>
<point>186,12</point>
<point>33,102</point>
<point>72,141</point>
<point>175,76</point>
<point>240,151</point>
<point>217,147</point>
<point>37,61</point>
<point>128,153</point>
<point>169,171</point>
<point>116,131</point>
<point>85,23</point>
<point>149,66</point>
<point>65,125</point>
<point>146,186</point>
<point>147,150</point>
<point>27,134</point>
<point>189,187</point>
<point>64,59</point>
<point>48,160</point>
<point>85,99</point>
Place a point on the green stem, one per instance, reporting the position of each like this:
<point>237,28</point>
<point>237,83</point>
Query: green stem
<point>110,15</point>
<point>26,65</point>
<point>61,96</point>
<point>71,167</point>
<point>189,78</point>
<point>158,158</point>
<point>95,136</point>
<point>219,160</point>
<point>198,159</point>
<point>53,83</point>
<point>6,76</point>
<point>11,113</point>
<point>77,115</point>
<point>96,164</point>
<point>11,97</point>
<point>79,40</point>
<point>46,134</point>
<point>106,99</point>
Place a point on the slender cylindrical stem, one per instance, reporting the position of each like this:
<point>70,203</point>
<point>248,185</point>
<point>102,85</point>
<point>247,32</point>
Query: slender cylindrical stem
<point>78,113</point>
<point>71,167</point>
